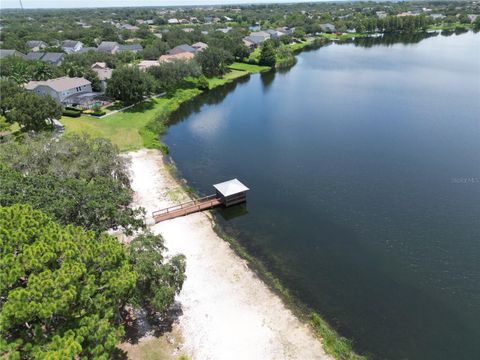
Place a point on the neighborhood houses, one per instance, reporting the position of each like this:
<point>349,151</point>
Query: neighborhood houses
<point>61,88</point>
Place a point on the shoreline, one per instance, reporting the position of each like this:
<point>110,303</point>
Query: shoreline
<point>227,311</point>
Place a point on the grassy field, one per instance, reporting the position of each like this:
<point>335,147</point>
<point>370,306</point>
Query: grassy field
<point>134,128</point>
<point>251,68</point>
<point>140,126</point>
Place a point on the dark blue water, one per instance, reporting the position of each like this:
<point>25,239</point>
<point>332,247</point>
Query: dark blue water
<point>364,165</point>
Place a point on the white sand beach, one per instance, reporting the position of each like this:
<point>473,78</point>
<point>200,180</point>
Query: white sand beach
<point>228,312</point>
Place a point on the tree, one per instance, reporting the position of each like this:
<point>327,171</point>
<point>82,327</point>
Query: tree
<point>267,55</point>
<point>158,280</point>
<point>214,61</point>
<point>170,76</point>
<point>72,156</point>
<point>129,84</point>
<point>99,205</point>
<point>33,112</point>
<point>61,288</point>
<point>8,90</point>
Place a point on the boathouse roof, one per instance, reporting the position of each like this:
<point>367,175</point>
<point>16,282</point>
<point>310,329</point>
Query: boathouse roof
<point>230,187</point>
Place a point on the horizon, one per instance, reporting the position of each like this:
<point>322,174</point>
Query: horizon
<point>86,4</point>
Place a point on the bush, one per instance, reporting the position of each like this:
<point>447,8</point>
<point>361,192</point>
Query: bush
<point>71,113</point>
<point>73,109</point>
<point>99,112</point>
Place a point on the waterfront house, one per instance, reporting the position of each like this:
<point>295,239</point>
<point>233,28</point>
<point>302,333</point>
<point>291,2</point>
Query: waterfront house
<point>145,64</point>
<point>328,28</point>
<point>35,45</point>
<point>60,88</point>
<point>257,38</point>
<point>71,46</point>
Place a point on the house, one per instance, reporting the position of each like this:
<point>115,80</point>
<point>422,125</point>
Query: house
<point>146,64</point>
<point>173,21</point>
<point>71,46</point>
<point>184,56</point>
<point>6,52</point>
<point>33,56</point>
<point>275,34</point>
<point>257,37</point>
<point>134,48</point>
<point>286,30</point>
<point>60,88</point>
<point>158,35</point>
<point>188,30</point>
<point>381,14</point>
<point>437,16</point>
<point>35,45</point>
<point>129,27</point>
<point>53,58</point>
<point>248,43</point>
<point>199,46</point>
<point>110,47</point>
<point>472,17</point>
<point>224,30</point>
<point>328,28</point>
<point>184,48</point>
<point>86,50</point>
<point>49,57</point>
<point>103,72</point>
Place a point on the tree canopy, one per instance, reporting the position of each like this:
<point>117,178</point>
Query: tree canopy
<point>267,55</point>
<point>214,61</point>
<point>129,84</point>
<point>158,280</point>
<point>60,288</point>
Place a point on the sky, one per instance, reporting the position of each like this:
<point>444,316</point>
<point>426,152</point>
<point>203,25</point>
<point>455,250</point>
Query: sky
<point>110,3</point>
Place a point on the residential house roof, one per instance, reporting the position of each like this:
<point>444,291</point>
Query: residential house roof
<point>53,58</point>
<point>49,57</point>
<point>130,27</point>
<point>70,43</point>
<point>9,52</point>
<point>108,46</point>
<point>145,64</point>
<point>131,47</point>
<point>103,74</point>
<point>59,84</point>
<point>199,46</point>
<point>99,65</point>
<point>34,43</point>
<point>86,49</point>
<point>181,49</point>
<point>327,27</point>
<point>34,56</point>
<point>184,56</point>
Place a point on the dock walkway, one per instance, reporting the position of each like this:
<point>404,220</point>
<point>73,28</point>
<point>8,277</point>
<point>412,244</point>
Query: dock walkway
<point>186,208</point>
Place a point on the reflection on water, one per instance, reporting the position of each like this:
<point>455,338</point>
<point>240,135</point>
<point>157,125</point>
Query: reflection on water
<point>353,158</point>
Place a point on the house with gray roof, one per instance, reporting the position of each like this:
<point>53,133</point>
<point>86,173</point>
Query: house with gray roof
<point>257,38</point>
<point>181,49</point>
<point>32,56</point>
<point>134,48</point>
<point>71,46</point>
<point>86,49</point>
<point>328,28</point>
<point>49,57</point>
<point>7,52</point>
<point>35,45</point>
<point>60,88</point>
<point>110,47</point>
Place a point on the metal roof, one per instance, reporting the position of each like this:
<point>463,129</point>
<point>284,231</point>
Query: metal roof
<point>230,187</point>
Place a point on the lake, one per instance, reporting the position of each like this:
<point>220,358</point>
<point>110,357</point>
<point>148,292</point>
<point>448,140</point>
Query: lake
<point>364,167</point>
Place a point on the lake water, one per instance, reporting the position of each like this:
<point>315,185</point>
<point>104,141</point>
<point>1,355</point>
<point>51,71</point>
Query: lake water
<point>364,169</point>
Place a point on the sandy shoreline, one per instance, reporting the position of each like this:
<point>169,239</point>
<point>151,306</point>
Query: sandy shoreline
<point>228,313</point>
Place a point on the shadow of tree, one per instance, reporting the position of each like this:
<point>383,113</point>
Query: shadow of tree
<point>151,323</point>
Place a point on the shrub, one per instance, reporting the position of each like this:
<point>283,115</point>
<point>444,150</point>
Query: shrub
<point>71,113</point>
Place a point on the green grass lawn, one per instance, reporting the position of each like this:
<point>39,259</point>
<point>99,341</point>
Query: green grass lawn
<point>251,68</point>
<point>228,77</point>
<point>133,128</point>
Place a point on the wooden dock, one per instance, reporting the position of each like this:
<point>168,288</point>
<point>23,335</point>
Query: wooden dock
<point>186,208</point>
<point>228,193</point>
